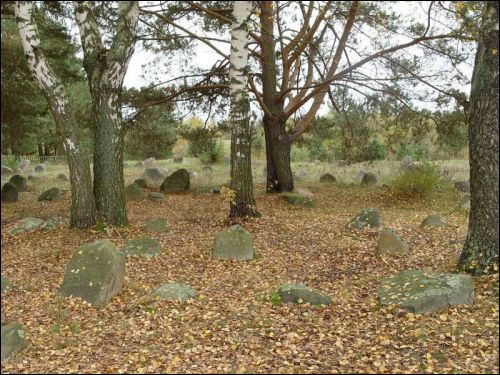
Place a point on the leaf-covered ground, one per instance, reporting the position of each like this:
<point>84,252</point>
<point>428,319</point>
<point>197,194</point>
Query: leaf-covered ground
<point>232,327</point>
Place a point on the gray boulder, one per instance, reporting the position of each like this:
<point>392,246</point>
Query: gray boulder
<point>463,186</point>
<point>27,224</point>
<point>33,178</point>
<point>20,182</point>
<point>406,162</point>
<point>176,182</point>
<point>175,292</point>
<point>327,177</point>
<point>433,221</point>
<point>9,192</point>
<point>39,168</point>
<point>139,164</point>
<point>149,163</point>
<point>193,174</point>
<point>368,179</point>
<point>154,174</point>
<point>296,293</point>
<point>366,218</point>
<point>145,247</point>
<point>390,243</point>
<point>360,175</point>
<point>6,284</point>
<point>13,339</point>
<point>54,222</point>
<point>342,163</point>
<point>50,195</point>
<point>141,182</point>
<point>157,225</point>
<point>421,291</point>
<point>6,170</point>
<point>62,177</point>
<point>178,159</point>
<point>22,166</point>
<point>125,164</point>
<point>233,243</point>
<point>157,197</point>
<point>296,199</point>
<point>95,273</point>
<point>133,193</point>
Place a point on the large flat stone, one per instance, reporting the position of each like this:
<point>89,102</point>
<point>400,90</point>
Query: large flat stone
<point>233,243</point>
<point>294,293</point>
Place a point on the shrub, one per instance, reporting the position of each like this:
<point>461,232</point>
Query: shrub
<point>10,161</point>
<point>317,149</point>
<point>417,181</point>
<point>372,151</point>
<point>299,154</point>
<point>213,154</point>
<point>416,151</point>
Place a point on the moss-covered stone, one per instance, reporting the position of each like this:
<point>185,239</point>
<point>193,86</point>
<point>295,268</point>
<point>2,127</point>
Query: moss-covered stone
<point>295,293</point>
<point>141,182</point>
<point>390,243</point>
<point>145,247</point>
<point>133,193</point>
<point>366,218</point>
<point>9,192</point>
<point>463,186</point>
<point>233,243</point>
<point>420,291</point>
<point>327,177</point>
<point>95,273</point>
<point>298,199</point>
<point>62,177</point>
<point>154,196</point>
<point>175,292</point>
<point>20,182</point>
<point>13,339</point>
<point>157,225</point>
<point>6,284</point>
<point>177,182</point>
<point>50,195</point>
<point>369,179</point>
<point>433,221</point>
<point>27,224</point>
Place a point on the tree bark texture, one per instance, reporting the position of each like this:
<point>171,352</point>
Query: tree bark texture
<point>480,253</point>
<point>82,200</point>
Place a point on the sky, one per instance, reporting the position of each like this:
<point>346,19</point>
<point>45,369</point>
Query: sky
<point>143,63</point>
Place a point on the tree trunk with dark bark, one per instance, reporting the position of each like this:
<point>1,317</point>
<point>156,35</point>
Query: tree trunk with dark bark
<point>480,254</point>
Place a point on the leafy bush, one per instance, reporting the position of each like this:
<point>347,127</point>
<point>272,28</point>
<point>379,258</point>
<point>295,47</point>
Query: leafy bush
<point>418,181</point>
<point>372,151</point>
<point>317,149</point>
<point>416,151</point>
<point>299,154</point>
<point>200,140</point>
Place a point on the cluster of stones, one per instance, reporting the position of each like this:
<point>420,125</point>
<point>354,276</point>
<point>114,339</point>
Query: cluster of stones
<point>31,223</point>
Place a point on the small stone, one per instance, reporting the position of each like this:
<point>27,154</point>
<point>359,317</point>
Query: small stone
<point>146,247</point>
<point>157,197</point>
<point>39,168</point>
<point>99,263</point>
<point>433,221</point>
<point>13,339</point>
<point>141,182</point>
<point>20,182</point>
<point>175,292</point>
<point>6,284</point>
<point>463,186</point>
<point>33,178</point>
<point>233,243</point>
<point>369,179</point>
<point>327,177</point>
<point>22,166</point>
<point>406,162</point>
<point>178,159</point>
<point>50,195</point>
<point>149,163</point>
<point>207,168</point>
<point>390,243</point>
<point>62,177</point>
<point>157,225</point>
<point>9,192</point>
<point>366,218</point>
<point>302,200</point>
<point>154,174</point>
<point>133,193</point>
<point>421,291</point>
<point>176,182</point>
<point>27,224</point>
<point>296,293</point>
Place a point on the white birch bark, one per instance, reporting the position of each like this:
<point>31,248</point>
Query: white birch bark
<point>243,203</point>
<point>82,210</point>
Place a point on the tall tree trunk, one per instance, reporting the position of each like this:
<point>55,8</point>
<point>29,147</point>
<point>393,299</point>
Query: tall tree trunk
<point>106,69</point>
<point>243,204</point>
<point>480,254</point>
<point>82,200</point>
<point>279,172</point>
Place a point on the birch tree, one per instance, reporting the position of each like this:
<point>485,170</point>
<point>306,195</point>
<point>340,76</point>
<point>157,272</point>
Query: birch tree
<point>82,200</point>
<point>106,69</point>
<point>480,253</point>
<point>243,202</point>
